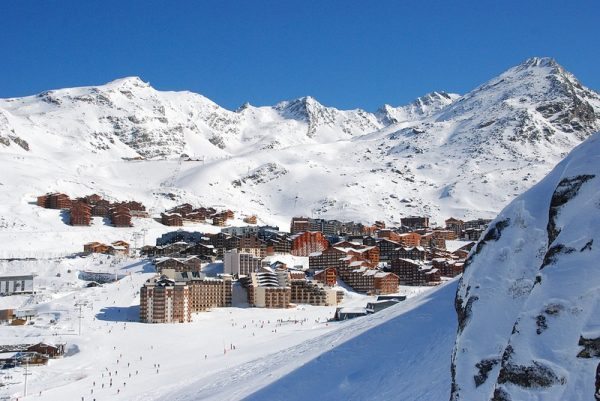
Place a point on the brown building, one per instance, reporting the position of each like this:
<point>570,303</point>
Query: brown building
<point>456,226</point>
<point>311,293</point>
<point>409,239</point>
<point>385,283</point>
<point>120,216</point>
<point>327,276</point>
<point>448,267</point>
<point>191,264</point>
<point>330,257</point>
<point>308,242</point>
<point>54,201</point>
<point>253,245</point>
<point>250,219</point>
<point>415,273</point>
<point>101,209</point>
<point>206,293</point>
<point>363,278</point>
<point>171,219</point>
<point>415,222</point>
<point>299,225</point>
<point>163,300</point>
<point>80,214</point>
<point>268,289</point>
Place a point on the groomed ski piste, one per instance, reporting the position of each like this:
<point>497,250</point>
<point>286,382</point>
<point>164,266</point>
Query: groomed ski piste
<point>226,353</point>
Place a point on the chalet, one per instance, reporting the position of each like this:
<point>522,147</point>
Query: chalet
<point>80,214</point>
<point>202,250</point>
<point>120,216</point>
<point>385,283</point>
<point>48,350</point>
<point>415,273</point>
<point>253,245</point>
<point>448,235</point>
<point>368,253</point>
<point>415,222</point>
<point>196,215</point>
<point>250,219</point>
<point>171,219</point>
<point>219,220</point>
<point>57,201</point>
<point>308,242</point>
<point>299,225</point>
<point>92,199</point>
<point>409,239</point>
<point>279,243</point>
<point>414,253</point>
<point>121,243</point>
<point>223,242</point>
<point>6,315</point>
<point>182,210</point>
<point>431,240</point>
<point>174,250</point>
<point>379,224</point>
<point>90,247</point>
<point>387,249</point>
<point>311,293</point>
<point>448,267</point>
<point>330,257</point>
<point>369,240</point>
<point>455,225</point>
<point>191,263</point>
<point>101,209</point>
<point>134,206</point>
<point>327,276</point>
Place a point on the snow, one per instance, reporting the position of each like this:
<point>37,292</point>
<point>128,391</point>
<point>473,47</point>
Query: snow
<point>441,156</point>
<point>536,304</point>
<point>383,356</point>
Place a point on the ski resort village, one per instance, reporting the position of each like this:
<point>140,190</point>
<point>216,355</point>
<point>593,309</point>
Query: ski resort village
<point>157,246</point>
<point>239,287</point>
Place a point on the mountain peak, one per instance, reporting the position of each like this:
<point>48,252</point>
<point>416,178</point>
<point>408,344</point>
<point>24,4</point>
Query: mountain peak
<point>129,82</point>
<point>539,62</point>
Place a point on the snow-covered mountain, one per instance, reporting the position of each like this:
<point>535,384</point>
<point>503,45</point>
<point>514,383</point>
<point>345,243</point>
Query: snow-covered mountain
<point>441,155</point>
<point>528,302</point>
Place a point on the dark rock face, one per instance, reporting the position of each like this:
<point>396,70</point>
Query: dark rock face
<point>500,395</point>
<point>464,313</point>
<point>553,253</point>
<point>528,376</point>
<point>591,347</point>
<point>484,368</point>
<point>567,189</point>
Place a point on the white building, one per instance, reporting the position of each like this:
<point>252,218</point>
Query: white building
<point>16,284</point>
<point>240,264</point>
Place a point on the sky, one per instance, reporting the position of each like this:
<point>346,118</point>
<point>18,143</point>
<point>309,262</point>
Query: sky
<point>347,54</point>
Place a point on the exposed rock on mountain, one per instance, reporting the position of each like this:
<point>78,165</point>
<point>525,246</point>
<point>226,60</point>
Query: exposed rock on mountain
<point>528,302</point>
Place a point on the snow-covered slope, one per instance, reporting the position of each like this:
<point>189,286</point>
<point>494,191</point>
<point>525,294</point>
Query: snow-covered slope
<point>530,295</point>
<point>441,155</point>
<point>399,353</point>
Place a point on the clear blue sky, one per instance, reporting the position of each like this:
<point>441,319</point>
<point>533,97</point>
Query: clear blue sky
<point>346,54</point>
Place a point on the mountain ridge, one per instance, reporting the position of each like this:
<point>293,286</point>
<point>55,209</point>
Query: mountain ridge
<point>441,155</point>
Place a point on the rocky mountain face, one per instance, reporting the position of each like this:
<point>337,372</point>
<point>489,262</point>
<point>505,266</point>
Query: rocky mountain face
<point>441,155</point>
<point>419,108</point>
<point>528,304</point>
